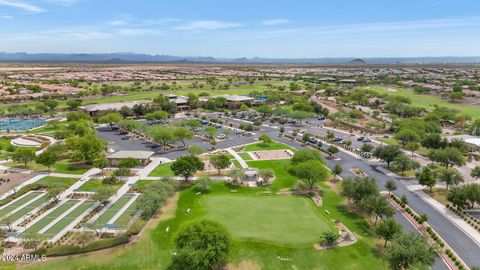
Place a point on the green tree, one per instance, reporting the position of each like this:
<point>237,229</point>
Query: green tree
<point>187,166</point>
<point>336,170</point>
<point>161,134</point>
<point>306,154</point>
<point>387,229</point>
<point>458,197</point>
<point>475,173</point>
<point>54,192</point>
<point>404,163</point>
<point>450,177</point>
<point>47,158</point>
<point>390,185</point>
<point>51,104</point>
<point>412,146</point>
<point>195,150</point>
<point>103,194</point>
<point>377,205</point>
<point>366,147</point>
<point>387,153</point>
<point>427,177</point>
<point>356,189</point>
<point>219,162</point>
<point>101,163</point>
<point>266,174</point>
<point>310,172</point>
<point>23,155</point>
<point>204,181</point>
<point>129,163</point>
<point>111,118</point>
<point>407,249</point>
<point>157,115</point>
<point>236,175</point>
<point>406,136</point>
<point>332,150</point>
<point>329,238</point>
<point>265,139</point>
<point>182,134</point>
<point>201,245</point>
<point>87,148</point>
<point>449,156</point>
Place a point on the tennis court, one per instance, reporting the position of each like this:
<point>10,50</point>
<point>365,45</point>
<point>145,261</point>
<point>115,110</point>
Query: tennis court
<point>19,202</point>
<point>24,211</point>
<point>68,219</point>
<point>21,124</point>
<point>113,209</point>
<point>35,228</point>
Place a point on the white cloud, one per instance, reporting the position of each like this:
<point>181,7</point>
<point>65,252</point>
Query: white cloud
<point>135,32</point>
<point>22,5</point>
<point>61,2</point>
<point>275,22</point>
<point>6,17</point>
<point>207,25</point>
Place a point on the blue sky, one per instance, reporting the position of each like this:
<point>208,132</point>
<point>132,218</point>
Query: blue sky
<point>243,28</point>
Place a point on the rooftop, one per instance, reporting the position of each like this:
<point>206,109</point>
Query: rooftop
<point>131,154</point>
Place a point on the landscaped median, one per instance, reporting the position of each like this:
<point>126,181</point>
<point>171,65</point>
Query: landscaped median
<point>419,222</point>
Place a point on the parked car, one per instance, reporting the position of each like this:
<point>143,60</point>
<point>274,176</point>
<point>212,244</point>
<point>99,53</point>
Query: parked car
<point>204,122</point>
<point>221,136</point>
<point>366,139</point>
<point>360,138</point>
<point>313,141</point>
<point>321,118</point>
<point>337,139</point>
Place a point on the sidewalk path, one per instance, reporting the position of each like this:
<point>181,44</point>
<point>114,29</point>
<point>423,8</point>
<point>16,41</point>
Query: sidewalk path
<point>447,213</point>
<point>237,157</point>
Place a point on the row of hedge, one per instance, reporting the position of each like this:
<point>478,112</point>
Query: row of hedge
<point>472,221</point>
<point>63,250</point>
<point>346,147</point>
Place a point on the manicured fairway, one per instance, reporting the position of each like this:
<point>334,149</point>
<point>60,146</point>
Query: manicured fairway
<point>65,221</point>
<point>428,101</point>
<point>25,210</point>
<point>35,228</point>
<point>19,202</point>
<point>162,170</point>
<point>125,218</point>
<point>281,219</point>
<point>116,206</point>
<point>266,146</point>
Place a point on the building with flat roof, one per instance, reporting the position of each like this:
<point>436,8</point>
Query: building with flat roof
<point>143,156</point>
<point>99,109</point>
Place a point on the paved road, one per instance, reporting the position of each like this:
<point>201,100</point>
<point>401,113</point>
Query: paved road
<point>467,249</point>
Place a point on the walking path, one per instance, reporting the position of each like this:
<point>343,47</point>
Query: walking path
<point>28,182</point>
<point>237,157</point>
<point>447,213</point>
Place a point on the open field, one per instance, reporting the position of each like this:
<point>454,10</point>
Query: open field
<point>429,101</point>
<point>281,219</point>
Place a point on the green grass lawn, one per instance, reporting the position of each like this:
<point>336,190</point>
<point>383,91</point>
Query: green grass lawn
<point>276,219</point>
<point>96,184</point>
<point>283,179</point>
<point>266,146</point>
<point>62,166</point>
<point>125,218</point>
<point>19,202</point>
<point>429,101</point>
<point>162,170</point>
<point>112,210</point>
<point>64,182</point>
<point>236,164</point>
<point>245,156</point>
<point>154,250</point>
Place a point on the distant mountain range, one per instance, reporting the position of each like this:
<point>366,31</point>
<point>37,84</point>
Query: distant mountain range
<point>146,58</point>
